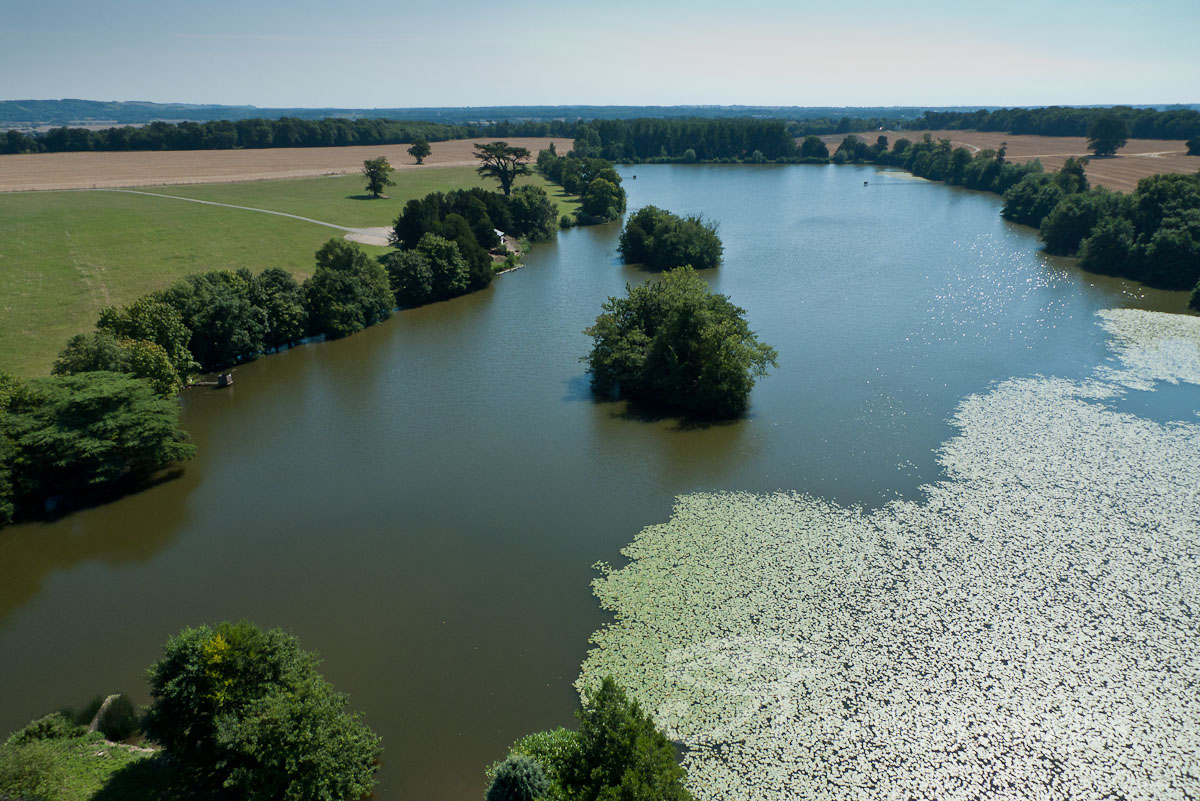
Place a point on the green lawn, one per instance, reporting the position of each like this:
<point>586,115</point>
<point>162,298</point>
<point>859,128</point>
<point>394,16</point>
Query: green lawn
<point>66,255</point>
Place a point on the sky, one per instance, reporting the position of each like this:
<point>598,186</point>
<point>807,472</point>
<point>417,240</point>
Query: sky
<point>399,53</point>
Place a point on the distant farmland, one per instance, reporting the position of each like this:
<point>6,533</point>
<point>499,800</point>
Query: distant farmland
<point>154,168</point>
<point>1138,159</point>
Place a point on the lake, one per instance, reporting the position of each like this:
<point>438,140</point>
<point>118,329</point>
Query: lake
<point>423,502</point>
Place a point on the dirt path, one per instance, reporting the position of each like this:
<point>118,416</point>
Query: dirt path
<point>366,236</point>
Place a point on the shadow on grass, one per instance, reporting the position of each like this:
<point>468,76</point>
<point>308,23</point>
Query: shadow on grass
<point>367,197</point>
<point>161,778</point>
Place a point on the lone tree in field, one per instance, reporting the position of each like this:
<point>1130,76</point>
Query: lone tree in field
<point>419,150</point>
<point>1107,134</point>
<point>503,163</point>
<point>378,173</point>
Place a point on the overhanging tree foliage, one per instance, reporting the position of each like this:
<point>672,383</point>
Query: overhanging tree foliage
<point>71,434</point>
<point>677,344</point>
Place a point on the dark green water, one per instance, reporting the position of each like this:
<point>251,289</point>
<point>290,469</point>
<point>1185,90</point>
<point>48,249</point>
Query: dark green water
<point>422,502</point>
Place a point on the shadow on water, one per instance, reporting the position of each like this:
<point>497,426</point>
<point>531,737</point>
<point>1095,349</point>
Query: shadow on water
<point>91,531</point>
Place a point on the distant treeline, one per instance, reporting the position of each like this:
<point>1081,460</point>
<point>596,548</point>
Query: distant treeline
<point>1151,235</point>
<point>74,112</point>
<point>648,139</point>
<point>226,135</point>
<point>1144,123</point>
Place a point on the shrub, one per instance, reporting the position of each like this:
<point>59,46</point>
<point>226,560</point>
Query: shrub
<point>518,778</point>
<point>55,726</point>
<point>31,772</point>
<point>1194,301</point>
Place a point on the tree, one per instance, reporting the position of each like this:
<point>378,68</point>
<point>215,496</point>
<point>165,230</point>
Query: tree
<point>1107,134</point>
<point>277,294</point>
<point>621,754</point>
<point>248,709</point>
<point>103,351</point>
<point>154,320</point>
<point>87,431</point>
<point>502,162</point>
<point>518,778</point>
<point>602,201</point>
<point>216,307</point>
<point>677,344</point>
<point>1193,304</point>
<point>533,213</point>
<point>419,150</point>
<point>378,174</point>
<point>433,270</point>
<point>348,291</point>
<point>662,240</point>
<point>1193,146</point>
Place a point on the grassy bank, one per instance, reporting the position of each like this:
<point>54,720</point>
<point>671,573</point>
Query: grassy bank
<point>66,255</point>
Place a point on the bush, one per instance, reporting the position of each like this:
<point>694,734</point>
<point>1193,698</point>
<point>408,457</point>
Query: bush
<point>55,726</point>
<point>565,221</point>
<point>1193,146</point>
<point>518,778</point>
<point>248,708</point>
<point>677,344</point>
<point>1194,301</point>
<point>31,772</point>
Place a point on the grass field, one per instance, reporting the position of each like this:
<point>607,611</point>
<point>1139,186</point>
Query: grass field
<point>1140,158</point>
<point>66,255</point>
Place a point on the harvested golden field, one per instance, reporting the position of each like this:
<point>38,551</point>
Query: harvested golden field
<point>1138,159</point>
<point>153,168</point>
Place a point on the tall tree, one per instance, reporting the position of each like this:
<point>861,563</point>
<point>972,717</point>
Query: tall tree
<point>1107,134</point>
<point>247,708</point>
<point>502,162</point>
<point>419,150</point>
<point>378,174</point>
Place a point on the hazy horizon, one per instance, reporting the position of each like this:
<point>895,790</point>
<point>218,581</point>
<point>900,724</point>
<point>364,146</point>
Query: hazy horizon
<point>463,53</point>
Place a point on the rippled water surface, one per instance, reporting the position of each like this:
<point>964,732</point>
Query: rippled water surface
<point>422,503</point>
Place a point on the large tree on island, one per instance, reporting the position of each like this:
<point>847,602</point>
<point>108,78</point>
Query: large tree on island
<point>1107,134</point>
<point>378,174</point>
<point>502,162</point>
<point>677,345</point>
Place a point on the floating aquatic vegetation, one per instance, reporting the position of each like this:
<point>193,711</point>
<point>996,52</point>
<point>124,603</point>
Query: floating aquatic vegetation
<point>1152,346</point>
<point>1030,630</point>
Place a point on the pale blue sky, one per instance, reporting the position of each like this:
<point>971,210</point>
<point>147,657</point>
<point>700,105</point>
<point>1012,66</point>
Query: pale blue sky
<point>385,53</point>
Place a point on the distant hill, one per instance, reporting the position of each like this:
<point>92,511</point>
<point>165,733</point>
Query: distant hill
<point>40,114</point>
<point>31,114</point>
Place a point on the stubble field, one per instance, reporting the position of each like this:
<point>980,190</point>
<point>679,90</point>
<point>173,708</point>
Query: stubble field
<point>153,168</point>
<point>1139,159</point>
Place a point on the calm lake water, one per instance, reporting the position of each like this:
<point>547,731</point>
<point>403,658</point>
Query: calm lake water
<point>422,503</point>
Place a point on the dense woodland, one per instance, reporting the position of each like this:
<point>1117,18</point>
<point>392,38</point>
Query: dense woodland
<point>1144,123</point>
